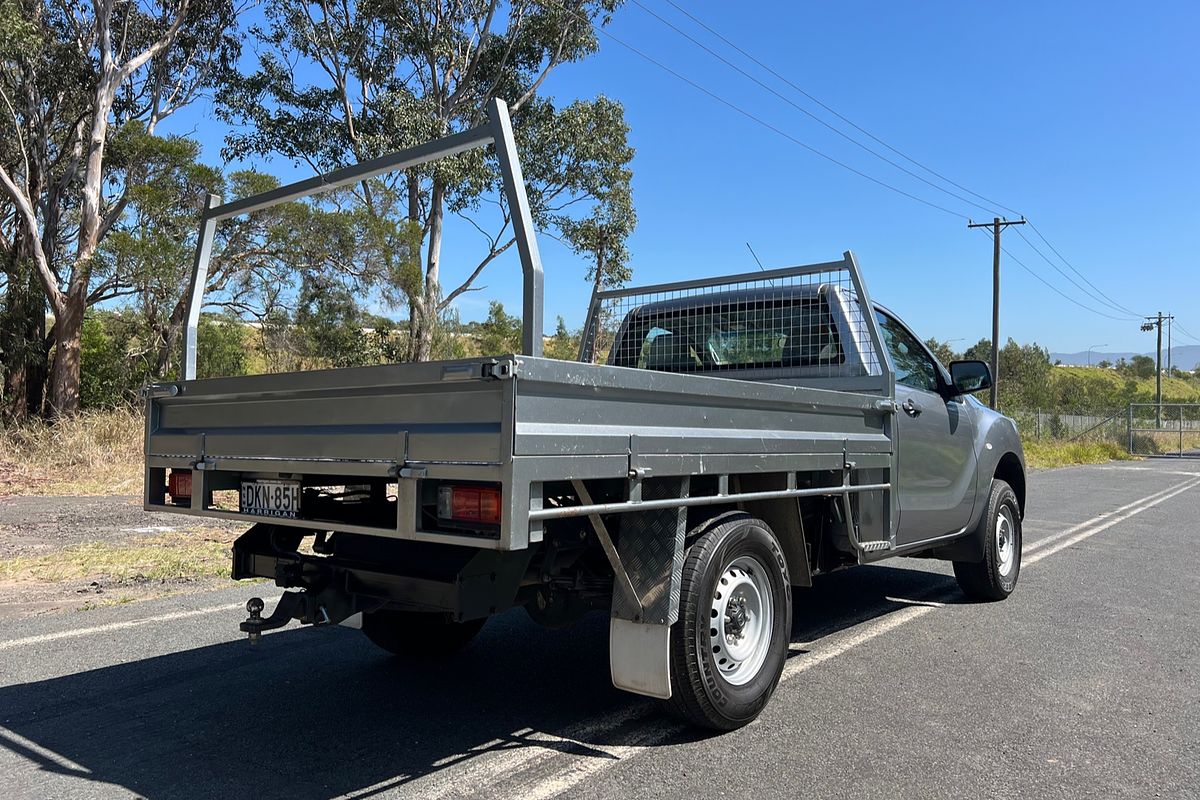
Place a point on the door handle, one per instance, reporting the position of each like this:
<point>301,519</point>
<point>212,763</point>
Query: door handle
<point>911,408</point>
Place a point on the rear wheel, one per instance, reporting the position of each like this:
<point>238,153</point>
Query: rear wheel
<point>419,635</point>
<point>995,577</point>
<point>730,643</point>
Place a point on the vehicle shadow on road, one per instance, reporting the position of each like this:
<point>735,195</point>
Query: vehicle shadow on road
<point>319,713</point>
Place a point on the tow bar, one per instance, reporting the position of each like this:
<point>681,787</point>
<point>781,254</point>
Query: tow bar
<point>292,605</point>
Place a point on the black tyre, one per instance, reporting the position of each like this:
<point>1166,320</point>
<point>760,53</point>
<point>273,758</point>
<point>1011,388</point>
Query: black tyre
<point>995,577</point>
<point>419,635</point>
<point>735,619</point>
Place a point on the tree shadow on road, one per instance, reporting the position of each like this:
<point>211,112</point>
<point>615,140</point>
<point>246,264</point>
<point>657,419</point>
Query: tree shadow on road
<point>319,713</point>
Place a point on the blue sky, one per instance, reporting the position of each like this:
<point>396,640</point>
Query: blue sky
<point>1085,117</point>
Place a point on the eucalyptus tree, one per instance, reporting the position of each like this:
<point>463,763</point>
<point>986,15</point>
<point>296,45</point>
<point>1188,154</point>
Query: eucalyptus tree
<point>76,77</point>
<point>340,81</point>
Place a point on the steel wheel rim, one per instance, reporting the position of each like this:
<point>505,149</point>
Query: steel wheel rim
<point>741,619</point>
<point>1006,540</point>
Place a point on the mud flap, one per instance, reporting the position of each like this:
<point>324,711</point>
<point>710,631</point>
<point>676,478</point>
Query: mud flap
<point>651,551</point>
<point>639,657</point>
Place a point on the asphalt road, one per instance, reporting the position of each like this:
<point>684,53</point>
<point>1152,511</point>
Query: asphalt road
<point>1085,683</point>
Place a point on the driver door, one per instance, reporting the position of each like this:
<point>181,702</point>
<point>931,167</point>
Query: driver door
<point>935,435</point>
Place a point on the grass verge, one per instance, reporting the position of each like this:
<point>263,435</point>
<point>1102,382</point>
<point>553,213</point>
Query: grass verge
<point>188,556</point>
<point>1050,454</point>
<point>93,453</point>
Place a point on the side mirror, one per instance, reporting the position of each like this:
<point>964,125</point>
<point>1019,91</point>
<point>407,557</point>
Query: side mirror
<point>970,376</point>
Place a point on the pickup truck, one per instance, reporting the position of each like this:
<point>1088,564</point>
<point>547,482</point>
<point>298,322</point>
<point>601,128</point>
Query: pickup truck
<point>718,443</point>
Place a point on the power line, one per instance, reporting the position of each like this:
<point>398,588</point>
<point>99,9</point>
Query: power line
<point>833,111</point>
<point>1080,274</point>
<point>1103,298</point>
<point>1072,281</point>
<point>805,111</point>
<point>780,132</point>
<point>1054,288</point>
<point>1184,331</point>
<point>730,104</point>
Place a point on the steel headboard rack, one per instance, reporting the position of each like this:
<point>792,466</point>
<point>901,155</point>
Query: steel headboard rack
<point>498,131</point>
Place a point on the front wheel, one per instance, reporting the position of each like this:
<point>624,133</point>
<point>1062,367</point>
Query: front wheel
<point>729,645</point>
<point>995,577</point>
<point>419,635</point>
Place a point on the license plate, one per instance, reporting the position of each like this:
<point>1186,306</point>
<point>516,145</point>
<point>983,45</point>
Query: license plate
<point>271,498</point>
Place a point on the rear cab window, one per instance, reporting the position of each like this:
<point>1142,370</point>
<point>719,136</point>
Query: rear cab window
<point>746,334</point>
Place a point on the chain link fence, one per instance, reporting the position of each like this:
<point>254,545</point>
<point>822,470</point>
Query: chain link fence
<point>1145,429</point>
<point>1166,429</point>
<point>1072,424</point>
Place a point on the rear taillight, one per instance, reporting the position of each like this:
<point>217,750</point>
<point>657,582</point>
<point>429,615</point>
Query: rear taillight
<point>179,486</point>
<point>469,504</point>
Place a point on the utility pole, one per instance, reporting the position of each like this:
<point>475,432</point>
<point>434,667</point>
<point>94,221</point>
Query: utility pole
<point>997,225</point>
<point>1169,345</point>
<point>1157,322</point>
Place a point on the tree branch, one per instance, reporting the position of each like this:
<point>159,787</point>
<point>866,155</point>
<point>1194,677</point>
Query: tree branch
<point>465,286</point>
<point>162,43</point>
<point>45,274</point>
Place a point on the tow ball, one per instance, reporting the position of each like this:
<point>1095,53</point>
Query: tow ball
<point>292,605</point>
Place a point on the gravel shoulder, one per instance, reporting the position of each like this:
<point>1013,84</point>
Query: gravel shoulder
<point>64,553</point>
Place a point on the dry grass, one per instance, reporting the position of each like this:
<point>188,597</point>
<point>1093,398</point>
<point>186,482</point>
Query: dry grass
<point>171,557</point>
<point>1050,454</point>
<point>94,453</point>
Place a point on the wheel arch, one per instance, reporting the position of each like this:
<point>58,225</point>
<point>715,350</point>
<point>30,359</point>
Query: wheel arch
<point>783,517</point>
<point>1010,470</point>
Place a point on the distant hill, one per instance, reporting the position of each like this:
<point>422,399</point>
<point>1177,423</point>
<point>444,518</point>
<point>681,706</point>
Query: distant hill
<point>1186,357</point>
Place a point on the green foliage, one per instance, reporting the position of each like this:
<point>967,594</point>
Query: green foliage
<point>115,365</point>
<point>331,323</point>
<point>980,351</point>
<point>942,351</point>
<point>1142,367</point>
<point>1048,455</point>
<point>395,75</point>
<point>1072,388</point>
<point>222,346</point>
<point>500,333</point>
<point>102,382</point>
<point>1024,376</point>
<point>563,345</point>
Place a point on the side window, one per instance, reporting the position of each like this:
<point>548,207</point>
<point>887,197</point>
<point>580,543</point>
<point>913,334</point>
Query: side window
<point>913,365</point>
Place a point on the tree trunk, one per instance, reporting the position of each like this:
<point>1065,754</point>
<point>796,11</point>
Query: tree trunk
<point>22,341</point>
<point>422,343</point>
<point>168,336</point>
<point>65,375</point>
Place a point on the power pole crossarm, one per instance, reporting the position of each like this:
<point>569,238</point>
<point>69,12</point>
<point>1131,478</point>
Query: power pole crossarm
<point>997,225</point>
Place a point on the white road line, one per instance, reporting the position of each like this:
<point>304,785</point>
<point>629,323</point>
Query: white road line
<point>1079,537</point>
<point>1192,473</point>
<point>1031,546</point>
<point>116,626</point>
<point>861,635</point>
<point>583,767</point>
<point>484,763</point>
